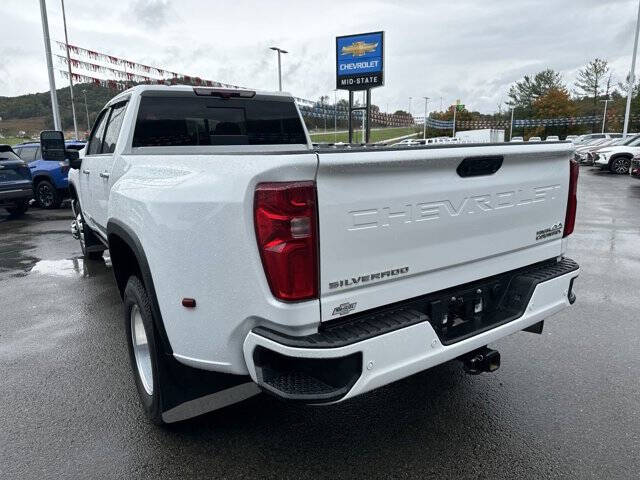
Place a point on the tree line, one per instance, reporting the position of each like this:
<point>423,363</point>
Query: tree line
<point>546,95</point>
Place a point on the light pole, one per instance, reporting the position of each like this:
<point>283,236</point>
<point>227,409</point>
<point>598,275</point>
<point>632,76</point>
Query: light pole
<point>66,41</point>
<point>424,127</point>
<point>632,77</point>
<point>86,109</point>
<point>280,51</point>
<point>410,106</point>
<point>52,82</point>
<point>604,115</point>
<point>511,124</point>
<point>455,108</point>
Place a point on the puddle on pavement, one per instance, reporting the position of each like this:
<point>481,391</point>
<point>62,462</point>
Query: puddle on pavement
<point>15,259</point>
<point>71,267</point>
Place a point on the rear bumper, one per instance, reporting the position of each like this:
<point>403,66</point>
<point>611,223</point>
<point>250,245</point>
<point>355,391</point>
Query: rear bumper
<point>22,193</point>
<point>381,352</point>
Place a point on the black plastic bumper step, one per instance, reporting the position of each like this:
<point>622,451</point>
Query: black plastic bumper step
<point>455,313</point>
<point>339,334</point>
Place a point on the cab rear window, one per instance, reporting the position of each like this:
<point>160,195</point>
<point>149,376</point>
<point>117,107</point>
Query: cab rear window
<point>187,121</point>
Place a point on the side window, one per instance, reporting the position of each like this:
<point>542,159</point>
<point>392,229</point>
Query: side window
<point>18,151</point>
<point>95,142</point>
<point>28,154</point>
<point>38,154</point>
<point>113,127</point>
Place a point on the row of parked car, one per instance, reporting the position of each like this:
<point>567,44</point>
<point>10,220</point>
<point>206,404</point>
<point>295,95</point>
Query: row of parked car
<point>608,152</point>
<point>26,175</point>
<point>550,138</point>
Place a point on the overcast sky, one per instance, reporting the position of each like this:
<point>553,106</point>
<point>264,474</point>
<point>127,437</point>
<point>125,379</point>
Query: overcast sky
<point>455,49</point>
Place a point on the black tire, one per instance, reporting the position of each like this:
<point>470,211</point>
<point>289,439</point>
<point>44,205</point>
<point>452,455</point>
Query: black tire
<point>620,165</point>
<point>136,297</point>
<point>19,208</point>
<point>47,196</point>
<point>87,237</point>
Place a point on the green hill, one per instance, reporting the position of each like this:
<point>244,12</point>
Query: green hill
<point>33,111</point>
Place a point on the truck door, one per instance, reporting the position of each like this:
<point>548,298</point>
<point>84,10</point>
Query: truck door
<point>93,150</point>
<point>102,165</point>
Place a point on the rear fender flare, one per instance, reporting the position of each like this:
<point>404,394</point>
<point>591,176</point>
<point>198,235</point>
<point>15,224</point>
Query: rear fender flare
<point>126,234</point>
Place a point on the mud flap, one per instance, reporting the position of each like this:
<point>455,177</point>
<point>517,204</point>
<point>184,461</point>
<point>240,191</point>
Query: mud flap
<point>186,392</point>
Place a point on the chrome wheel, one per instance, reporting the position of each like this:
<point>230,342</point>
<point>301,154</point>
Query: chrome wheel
<point>141,350</point>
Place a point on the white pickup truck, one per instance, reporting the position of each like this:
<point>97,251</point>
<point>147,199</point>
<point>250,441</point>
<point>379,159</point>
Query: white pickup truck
<point>250,261</point>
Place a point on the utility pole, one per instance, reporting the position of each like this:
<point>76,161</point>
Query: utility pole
<point>440,103</point>
<point>424,128</point>
<point>86,108</point>
<point>511,125</point>
<point>410,106</point>
<point>604,115</point>
<point>66,41</point>
<point>455,107</point>
<point>52,82</point>
<point>632,77</point>
<point>280,51</point>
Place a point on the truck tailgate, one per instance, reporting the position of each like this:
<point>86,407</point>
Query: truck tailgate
<point>395,224</point>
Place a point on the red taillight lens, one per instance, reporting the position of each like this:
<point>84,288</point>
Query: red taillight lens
<point>572,201</point>
<point>286,229</point>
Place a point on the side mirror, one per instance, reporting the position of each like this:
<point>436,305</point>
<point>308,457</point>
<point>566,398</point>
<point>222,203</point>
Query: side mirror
<point>74,159</point>
<point>52,145</point>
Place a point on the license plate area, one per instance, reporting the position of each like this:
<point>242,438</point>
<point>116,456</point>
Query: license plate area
<point>464,312</point>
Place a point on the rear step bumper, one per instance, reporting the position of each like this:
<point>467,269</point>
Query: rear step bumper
<point>376,348</point>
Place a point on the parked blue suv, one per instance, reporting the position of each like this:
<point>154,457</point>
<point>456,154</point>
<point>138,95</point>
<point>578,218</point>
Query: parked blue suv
<point>50,178</point>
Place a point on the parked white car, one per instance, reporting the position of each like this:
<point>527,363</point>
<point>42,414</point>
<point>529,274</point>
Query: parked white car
<point>250,261</point>
<point>552,138</point>
<point>584,139</point>
<point>516,139</point>
<point>535,139</point>
<point>583,153</point>
<point>617,158</point>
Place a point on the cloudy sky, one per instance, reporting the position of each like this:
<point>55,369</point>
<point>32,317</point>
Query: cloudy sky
<point>454,49</point>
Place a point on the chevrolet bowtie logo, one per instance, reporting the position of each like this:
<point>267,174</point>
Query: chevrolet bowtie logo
<point>358,49</point>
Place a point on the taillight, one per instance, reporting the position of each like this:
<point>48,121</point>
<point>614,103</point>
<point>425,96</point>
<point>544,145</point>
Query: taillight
<point>286,229</point>
<point>572,200</point>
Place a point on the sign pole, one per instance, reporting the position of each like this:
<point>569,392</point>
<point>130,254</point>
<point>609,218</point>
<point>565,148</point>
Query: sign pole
<point>368,117</point>
<point>350,120</point>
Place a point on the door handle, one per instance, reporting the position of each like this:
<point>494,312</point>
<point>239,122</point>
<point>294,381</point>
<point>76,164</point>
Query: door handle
<point>104,174</point>
<point>86,172</point>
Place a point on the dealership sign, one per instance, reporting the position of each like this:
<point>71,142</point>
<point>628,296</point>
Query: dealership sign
<point>359,61</point>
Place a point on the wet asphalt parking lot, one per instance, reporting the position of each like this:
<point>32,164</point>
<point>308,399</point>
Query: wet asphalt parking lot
<point>563,405</point>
